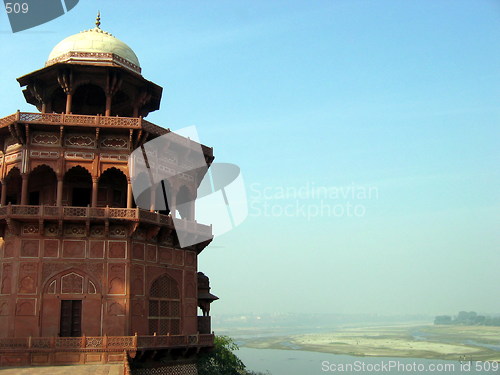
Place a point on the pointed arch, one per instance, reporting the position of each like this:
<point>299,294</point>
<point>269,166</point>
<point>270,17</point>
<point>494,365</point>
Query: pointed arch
<point>112,188</point>
<point>71,304</point>
<point>70,278</point>
<point>42,185</point>
<point>13,183</point>
<point>89,99</point>
<point>77,187</point>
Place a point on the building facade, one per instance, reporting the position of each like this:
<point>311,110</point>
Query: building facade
<point>85,274</point>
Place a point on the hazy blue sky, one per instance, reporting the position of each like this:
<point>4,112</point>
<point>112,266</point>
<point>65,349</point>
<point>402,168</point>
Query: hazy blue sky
<point>400,97</point>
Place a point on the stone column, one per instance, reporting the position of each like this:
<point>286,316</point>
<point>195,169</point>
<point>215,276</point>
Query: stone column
<point>3,200</point>
<point>129,194</point>
<point>69,98</point>
<point>153,198</point>
<point>94,191</point>
<point>24,188</point>
<point>59,195</point>
<point>108,105</point>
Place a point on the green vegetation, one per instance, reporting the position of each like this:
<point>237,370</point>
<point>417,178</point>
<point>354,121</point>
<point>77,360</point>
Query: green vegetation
<point>222,360</point>
<point>468,319</point>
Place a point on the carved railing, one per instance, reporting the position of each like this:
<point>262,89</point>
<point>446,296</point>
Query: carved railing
<point>76,211</point>
<point>171,341</point>
<point>102,213</point>
<point>25,210</point>
<point>113,343</point>
<point>78,120</point>
<point>82,120</point>
<point>51,211</point>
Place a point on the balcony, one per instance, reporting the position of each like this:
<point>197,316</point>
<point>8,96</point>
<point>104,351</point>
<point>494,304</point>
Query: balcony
<point>115,343</point>
<point>28,213</point>
<point>24,351</point>
<point>58,119</point>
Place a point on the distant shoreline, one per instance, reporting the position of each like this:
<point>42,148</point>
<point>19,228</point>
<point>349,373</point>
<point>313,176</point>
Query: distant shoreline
<point>477,343</point>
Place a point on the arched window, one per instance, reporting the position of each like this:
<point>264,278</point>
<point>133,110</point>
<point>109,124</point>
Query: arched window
<point>164,307</point>
<point>42,186</point>
<point>88,99</point>
<point>78,187</point>
<point>112,188</point>
<point>14,182</point>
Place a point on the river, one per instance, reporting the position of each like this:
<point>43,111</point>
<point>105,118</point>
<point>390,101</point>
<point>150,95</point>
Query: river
<point>299,362</point>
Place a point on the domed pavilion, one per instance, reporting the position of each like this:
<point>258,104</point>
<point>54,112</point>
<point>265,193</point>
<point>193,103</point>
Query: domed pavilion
<point>86,276</point>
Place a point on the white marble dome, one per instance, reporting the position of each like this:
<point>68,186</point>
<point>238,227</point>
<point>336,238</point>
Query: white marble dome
<point>92,45</point>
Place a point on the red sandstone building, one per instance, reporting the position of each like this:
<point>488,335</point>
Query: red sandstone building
<point>87,276</point>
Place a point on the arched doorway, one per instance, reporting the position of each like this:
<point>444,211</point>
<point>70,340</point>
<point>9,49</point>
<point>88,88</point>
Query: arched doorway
<point>78,187</point>
<point>89,99</point>
<point>14,183</point>
<point>42,186</point>
<point>112,189</point>
<point>164,307</point>
<point>58,102</point>
<point>121,105</point>
<point>71,305</point>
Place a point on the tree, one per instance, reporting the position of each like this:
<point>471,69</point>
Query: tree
<point>442,319</point>
<point>221,360</point>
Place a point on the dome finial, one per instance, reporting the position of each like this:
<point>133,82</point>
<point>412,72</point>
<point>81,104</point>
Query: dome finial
<point>98,20</point>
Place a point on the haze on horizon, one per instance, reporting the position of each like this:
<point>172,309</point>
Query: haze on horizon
<point>320,103</point>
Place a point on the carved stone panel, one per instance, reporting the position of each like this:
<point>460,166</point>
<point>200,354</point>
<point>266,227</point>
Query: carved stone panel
<point>117,249</point>
<point>96,249</point>
<point>116,278</point>
<point>190,284</point>
<point>190,258</point>
<point>114,142</point>
<point>179,257</point>
<point>80,140</point>
<point>29,248</point>
<point>138,251</point>
<point>72,283</point>
<point>51,269</point>
<point>165,254</point>
<point>44,138</point>
<point>6,279</point>
<point>8,249</point>
<point>51,230</point>
<point>26,307</point>
<point>51,248</point>
<point>28,276</point>
<point>74,230</point>
<point>4,307</point>
<point>97,231</point>
<point>73,249</point>
<point>116,308</point>
<point>137,277</point>
<point>138,308</point>
<point>117,231</point>
<point>30,229</point>
<point>151,253</point>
